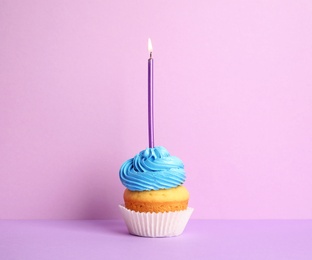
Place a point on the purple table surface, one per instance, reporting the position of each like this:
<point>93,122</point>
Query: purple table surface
<point>202,239</point>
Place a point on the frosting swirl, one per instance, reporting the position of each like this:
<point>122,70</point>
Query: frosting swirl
<point>152,169</point>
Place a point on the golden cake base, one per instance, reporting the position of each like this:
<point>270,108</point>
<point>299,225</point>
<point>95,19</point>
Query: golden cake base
<point>165,200</point>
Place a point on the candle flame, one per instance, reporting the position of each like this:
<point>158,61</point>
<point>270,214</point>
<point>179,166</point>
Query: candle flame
<point>150,47</point>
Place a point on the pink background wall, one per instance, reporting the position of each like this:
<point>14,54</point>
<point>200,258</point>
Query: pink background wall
<point>233,100</point>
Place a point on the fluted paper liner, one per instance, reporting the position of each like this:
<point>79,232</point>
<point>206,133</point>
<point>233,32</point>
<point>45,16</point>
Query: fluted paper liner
<point>165,224</point>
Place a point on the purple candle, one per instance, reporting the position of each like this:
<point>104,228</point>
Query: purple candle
<point>150,96</point>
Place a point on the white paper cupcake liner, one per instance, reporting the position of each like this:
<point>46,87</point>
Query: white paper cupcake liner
<point>165,224</point>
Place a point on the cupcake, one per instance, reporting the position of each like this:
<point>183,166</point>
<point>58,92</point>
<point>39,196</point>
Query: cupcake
<point>155,201</point>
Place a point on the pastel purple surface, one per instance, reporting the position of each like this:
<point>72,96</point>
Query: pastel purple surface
<point>202,239</point>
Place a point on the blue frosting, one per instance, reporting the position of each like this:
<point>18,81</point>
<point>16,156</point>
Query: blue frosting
<point>152,169</point>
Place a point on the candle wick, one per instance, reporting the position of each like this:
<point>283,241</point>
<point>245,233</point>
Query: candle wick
<point>151,55</point>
